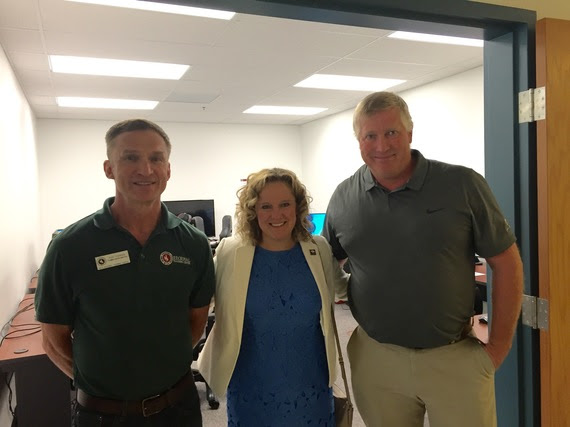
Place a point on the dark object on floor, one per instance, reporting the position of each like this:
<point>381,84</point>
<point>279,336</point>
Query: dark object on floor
<point>212,400</point>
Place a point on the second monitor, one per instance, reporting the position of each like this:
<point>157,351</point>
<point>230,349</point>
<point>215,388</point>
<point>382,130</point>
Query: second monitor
<point>318,220</point>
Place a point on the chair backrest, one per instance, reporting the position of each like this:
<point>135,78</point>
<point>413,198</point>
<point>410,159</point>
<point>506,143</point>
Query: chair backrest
<point>185,216</point>
<point>226,226</point>
<point>198,222</point>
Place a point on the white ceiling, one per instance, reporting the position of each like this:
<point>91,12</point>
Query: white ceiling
<point>234,64</point>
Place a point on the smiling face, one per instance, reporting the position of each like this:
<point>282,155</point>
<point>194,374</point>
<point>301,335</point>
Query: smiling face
<point>276,215</point>
<point>138,162</point>
<point>385,146</point>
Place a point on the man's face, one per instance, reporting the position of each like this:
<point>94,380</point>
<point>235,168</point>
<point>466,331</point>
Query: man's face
<point>139,165</point>
<point>385,146</point>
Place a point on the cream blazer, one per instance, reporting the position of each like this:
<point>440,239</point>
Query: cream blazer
<point>233,262</point>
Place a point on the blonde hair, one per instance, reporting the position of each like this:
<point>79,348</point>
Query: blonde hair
<point>380,101</point>
<point>247,226</point>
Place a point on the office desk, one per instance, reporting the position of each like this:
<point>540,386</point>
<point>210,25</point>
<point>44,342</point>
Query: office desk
<point>481,274</point>
<point>42,390</point>
<point>481,285</point>
<point>480,330</point>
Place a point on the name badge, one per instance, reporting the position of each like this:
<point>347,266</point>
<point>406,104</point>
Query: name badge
<point>112,260</point>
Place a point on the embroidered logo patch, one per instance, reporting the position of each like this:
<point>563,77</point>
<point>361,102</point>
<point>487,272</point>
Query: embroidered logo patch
<point>166,258</point>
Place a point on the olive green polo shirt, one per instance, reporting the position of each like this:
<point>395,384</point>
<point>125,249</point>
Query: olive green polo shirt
<point>411,250</point>
<point>128,304</point>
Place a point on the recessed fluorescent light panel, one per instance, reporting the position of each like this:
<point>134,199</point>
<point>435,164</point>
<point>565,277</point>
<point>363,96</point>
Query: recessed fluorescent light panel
<point>118,104</point>
<point>162,7</point>
<point>334,81</point>
<point>116,67</point>
<point>289,111</point>
<point>432,38</point>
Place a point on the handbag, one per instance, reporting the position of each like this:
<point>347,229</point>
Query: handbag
<point>343,408</point>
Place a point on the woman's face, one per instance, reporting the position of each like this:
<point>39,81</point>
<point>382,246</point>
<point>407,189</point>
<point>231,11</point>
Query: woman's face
<point>276,216</point>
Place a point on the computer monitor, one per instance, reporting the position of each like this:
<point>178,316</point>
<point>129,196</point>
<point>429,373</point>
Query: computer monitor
<point>318,220</point>
<point>201,208</point>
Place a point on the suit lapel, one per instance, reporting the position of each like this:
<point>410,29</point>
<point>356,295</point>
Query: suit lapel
<point>313,257</point>
<point>242,269</point>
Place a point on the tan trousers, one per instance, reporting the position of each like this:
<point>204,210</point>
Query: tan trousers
<point>394,386</point>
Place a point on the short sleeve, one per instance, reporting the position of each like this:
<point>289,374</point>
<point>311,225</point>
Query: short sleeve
<point>54,296</point>
<point>492,233</point>
<point>329,232</point>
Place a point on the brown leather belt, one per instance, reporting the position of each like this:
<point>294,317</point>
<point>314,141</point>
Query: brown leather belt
<point>146,407</point>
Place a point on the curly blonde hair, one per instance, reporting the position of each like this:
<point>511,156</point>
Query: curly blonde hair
<point>247,226</point>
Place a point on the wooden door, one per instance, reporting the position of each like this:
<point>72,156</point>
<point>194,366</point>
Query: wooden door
<point>553,176</point>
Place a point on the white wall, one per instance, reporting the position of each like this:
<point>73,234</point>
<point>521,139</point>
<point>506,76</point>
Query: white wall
<point>207,162</point>
<point>19,216</point>
<point>448,126</point>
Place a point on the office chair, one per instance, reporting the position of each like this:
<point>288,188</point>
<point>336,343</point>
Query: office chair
<point>198,222</point>
<point>226,226</point>
<point>210,397</point>
<point>226,232</point>
<point>185,216</point>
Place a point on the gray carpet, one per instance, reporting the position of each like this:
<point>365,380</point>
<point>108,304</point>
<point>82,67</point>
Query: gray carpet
<point>345,324</point>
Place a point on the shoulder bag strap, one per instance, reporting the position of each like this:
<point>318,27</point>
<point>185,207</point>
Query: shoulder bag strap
<point>340,358</point>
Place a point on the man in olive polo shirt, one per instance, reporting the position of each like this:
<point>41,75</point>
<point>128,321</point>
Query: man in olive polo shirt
<point>409,228</point>
<point>123,294</point>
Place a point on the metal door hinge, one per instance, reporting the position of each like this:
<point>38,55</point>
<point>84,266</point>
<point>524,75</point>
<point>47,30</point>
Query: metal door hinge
<point>532,105</point>
<point>535,312</point>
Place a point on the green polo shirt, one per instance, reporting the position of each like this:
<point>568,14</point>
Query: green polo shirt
<point>411,250</point>
<point>127,304</point>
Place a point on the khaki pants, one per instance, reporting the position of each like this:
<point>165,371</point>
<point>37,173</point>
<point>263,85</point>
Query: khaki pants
<point>394,386</point>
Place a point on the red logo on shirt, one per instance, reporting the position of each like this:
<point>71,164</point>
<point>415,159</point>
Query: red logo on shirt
<point>166,258</point>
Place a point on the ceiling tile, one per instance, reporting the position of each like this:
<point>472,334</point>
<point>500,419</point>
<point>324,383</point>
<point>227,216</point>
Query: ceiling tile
<point>134,24</point>
<point>234,64</point>
<point>19,14</point>
<point>30,61</point>
<point>382,69</point>
<point>28,41</point>
<point>404,51</point>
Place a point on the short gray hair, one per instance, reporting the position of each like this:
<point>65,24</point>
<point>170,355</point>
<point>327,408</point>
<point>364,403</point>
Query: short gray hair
<point>380,101</point>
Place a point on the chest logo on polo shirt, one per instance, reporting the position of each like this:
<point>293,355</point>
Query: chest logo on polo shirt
<point>167,258</point>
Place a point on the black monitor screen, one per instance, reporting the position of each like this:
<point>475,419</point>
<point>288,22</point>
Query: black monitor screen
<point>202,208</point>
<point>318,220</point>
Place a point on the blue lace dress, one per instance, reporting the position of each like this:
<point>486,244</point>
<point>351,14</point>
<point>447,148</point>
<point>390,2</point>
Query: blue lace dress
<point>281,375</point>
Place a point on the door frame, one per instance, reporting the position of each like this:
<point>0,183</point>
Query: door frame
<point>510,148</point>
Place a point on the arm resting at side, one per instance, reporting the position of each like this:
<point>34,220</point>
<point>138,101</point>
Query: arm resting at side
<point>506,300</point>
<point>57,345</point>
<point>341,284</point>
<point>198,317</point>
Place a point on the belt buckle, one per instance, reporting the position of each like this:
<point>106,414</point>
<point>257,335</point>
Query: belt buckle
<point>146,411</point>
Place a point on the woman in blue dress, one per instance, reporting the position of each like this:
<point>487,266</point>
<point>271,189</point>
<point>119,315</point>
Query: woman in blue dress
<point>272,346</point>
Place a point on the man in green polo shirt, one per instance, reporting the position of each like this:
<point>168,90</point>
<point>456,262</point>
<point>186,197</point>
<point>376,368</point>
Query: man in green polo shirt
<point>123,294</point>
<point>409,228</point>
